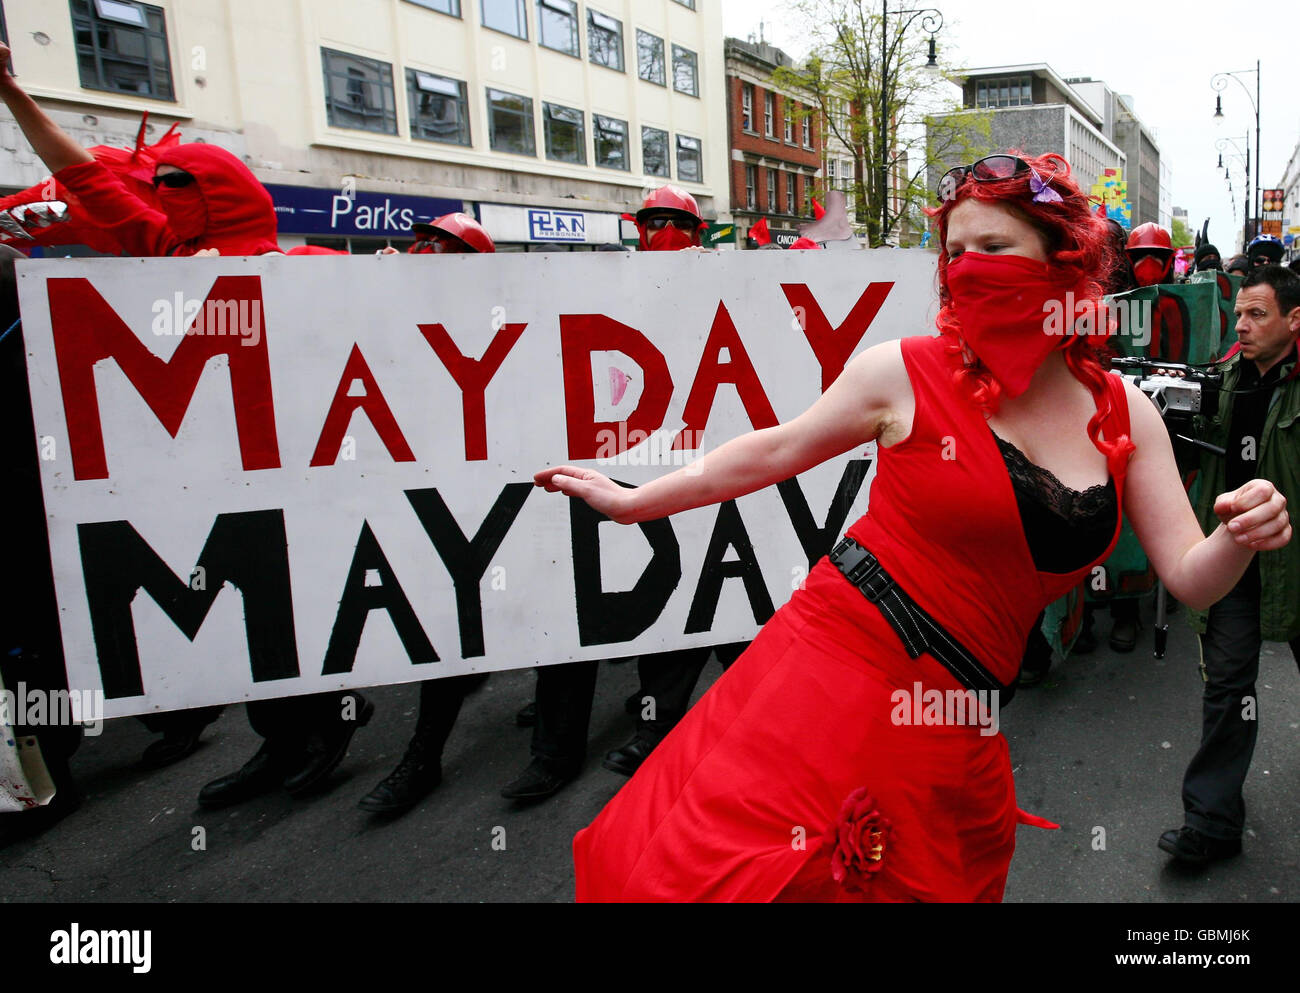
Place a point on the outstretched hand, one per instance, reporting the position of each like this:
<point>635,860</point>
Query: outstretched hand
<point>1255,515</point>
<point>600,492</point>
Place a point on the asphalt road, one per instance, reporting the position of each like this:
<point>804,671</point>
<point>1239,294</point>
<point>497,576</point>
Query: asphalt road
<point>1102,744</point>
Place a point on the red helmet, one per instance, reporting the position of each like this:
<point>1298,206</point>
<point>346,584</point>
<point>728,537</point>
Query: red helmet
<point>1150,236</point>
<point>463,228</point>
<point>672,198</point>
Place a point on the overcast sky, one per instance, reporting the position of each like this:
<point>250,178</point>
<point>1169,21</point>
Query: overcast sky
<point>1162,54</point>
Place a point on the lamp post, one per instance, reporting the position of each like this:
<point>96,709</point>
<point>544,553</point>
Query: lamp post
<point>931,24</point>
<point>1220,146</point>
<point>1219,82</point>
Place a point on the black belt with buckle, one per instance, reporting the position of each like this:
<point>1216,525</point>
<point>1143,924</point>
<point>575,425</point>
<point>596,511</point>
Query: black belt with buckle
<point>919,632</point>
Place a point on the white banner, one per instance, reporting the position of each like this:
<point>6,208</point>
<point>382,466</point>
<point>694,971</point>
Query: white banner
<point>273,476</point>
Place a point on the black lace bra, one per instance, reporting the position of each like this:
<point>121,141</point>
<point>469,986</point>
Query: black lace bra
<point>1066,529</point>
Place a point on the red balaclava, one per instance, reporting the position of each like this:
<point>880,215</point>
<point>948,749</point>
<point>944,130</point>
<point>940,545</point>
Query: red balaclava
<point>225,208</point>
<point>1151,270</point>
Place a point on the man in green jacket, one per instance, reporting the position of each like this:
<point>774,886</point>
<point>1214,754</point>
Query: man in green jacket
<point>1258,424</point>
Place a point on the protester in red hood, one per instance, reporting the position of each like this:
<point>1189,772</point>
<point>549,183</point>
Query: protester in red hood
<point>208,200</point>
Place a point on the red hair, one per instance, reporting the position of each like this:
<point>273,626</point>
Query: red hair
<point>1077,248</point>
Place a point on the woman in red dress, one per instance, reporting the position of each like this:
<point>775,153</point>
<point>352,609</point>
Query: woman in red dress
<point>852,752</point>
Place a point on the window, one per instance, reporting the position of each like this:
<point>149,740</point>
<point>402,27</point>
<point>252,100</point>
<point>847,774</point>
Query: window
<point>510,123</point>
<point>807,132</point>
<point>122,48</point>
<point>509,16</point>
<point>751,181</point>
<point>358,92</point>
<point>830,173</point>
<point>604,40</point>
<point>451,7</point>
<point>611,142</point>
<point>557,25</point>
<point>790,183</point>
<point>650,58</point>
<point>769,114</point>
<point>685,74</point>
<point>566,138</point>
<point>1016,91</point>
<point>654,152</point>
<point>747,106</point>
<point>771,190</point>
<point>787,115</point>
<point>687,3</point>
<point>439,108</point>
<point>690,161</point>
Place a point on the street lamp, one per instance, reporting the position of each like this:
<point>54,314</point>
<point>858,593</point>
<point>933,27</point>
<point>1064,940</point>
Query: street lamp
<point>931,24</point>
<point>1220,146</point>
<point>1219,82</point>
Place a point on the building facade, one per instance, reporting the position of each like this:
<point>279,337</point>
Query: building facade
<point>1290,186</point>
<point>547,119</point>
<point>776,144</point>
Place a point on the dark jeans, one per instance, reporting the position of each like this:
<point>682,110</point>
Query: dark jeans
<point>1213,783</point>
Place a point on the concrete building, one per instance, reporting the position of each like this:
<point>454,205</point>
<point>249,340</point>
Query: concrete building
<point>545,118</point>
<point>775,150</point>
<point>1166,195</point>
<point>1290,186</point>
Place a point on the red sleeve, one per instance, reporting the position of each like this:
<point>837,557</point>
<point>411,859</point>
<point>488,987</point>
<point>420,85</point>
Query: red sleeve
<point>139,228</point>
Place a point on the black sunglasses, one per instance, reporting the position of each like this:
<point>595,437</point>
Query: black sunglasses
<point>173,180</point>
<point>987,170</point>
<point>663,220</point>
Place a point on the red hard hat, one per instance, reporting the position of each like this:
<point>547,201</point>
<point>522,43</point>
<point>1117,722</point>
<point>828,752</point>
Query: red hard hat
<point>463,228</point>
<point>1149,236</point>
<point>672,198</point>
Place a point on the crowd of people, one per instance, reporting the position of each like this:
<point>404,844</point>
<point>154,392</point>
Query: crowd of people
<point>939,584</point>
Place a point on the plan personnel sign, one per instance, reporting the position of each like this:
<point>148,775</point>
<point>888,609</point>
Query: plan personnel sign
<point>273,476</point>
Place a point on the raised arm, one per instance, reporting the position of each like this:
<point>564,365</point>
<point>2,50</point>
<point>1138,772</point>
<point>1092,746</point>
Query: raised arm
<point>870,399</point>
<point>56,149</point>
<point>1198,570</point>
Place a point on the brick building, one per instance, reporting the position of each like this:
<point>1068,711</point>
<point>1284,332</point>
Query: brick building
<point>775,156</point>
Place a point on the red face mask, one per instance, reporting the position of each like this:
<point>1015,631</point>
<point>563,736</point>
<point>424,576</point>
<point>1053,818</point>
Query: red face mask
<point>187,214</point>
<point>1003,305</point>
<point>670,239</point>
<point>1150,270</point>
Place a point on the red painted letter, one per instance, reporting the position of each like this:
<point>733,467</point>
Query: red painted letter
<point>344,406</point>
<point>473,376</point>
<point>833,346</point>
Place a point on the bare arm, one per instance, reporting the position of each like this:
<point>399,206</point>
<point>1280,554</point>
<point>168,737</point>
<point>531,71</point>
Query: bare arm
<point>56,149</point>
<point>1198,570</point>
<point>864,402</point>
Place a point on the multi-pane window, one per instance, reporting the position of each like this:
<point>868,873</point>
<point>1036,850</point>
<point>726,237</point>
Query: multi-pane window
<point>509,16</point>
<point>690,159</point>
<point>790,182</point>
<point>650,64</point>
<point>439,108</point>
<point>557,25</point>
<point>610,137</point>
<point>604,40</point>
<point>654,152</point>
<point>566,138</point>
<point>807,132</point>
<point>122,47</point>
<point>830,172</point>
<point>358,92</point>
<point>685,71</point>
<point>769,114</point>
<point>771,190</point>
<point>510,123</point>
<point>451,7</point>
<point>751,182</point>
<point>1015,91</point>
<point>747,106</point>
<point>787,115</point>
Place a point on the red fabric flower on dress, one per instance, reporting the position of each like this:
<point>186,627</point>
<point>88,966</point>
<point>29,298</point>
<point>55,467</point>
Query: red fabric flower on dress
<point>861,835</point>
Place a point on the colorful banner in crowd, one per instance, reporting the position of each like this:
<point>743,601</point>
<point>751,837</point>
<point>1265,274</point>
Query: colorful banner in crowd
<point>275,476</point>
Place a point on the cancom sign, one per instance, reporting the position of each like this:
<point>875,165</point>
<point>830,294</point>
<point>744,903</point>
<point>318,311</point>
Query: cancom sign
<point>340,494</point>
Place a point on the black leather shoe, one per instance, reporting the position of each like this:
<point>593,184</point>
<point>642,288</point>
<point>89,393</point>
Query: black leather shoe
<point>418,774</point>
<point>325,750</point>
<point>1124,635</point>
<point>537,782</point>
<point>1189,845</point>
<point>260,774</point>
<point>168,749</point>
<point>527,717</point>
<point>628,758</point>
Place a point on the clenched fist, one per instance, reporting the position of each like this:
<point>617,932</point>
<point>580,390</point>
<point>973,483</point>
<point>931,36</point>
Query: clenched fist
<point>1255,515</point>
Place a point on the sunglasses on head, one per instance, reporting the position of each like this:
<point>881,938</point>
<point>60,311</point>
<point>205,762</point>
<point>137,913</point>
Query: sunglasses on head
<point>173,180</point>
<point>989,169</point>
<point>662,221</point>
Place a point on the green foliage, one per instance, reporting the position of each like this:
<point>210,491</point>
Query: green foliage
<point>1181,236</point>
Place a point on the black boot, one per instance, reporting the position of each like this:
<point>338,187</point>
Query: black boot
<point>418,774</point>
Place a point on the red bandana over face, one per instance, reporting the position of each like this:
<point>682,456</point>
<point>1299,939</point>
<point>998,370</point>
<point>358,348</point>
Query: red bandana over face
<point>225,208</point>
<point>1003,305</point>
<point>669,239</point>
